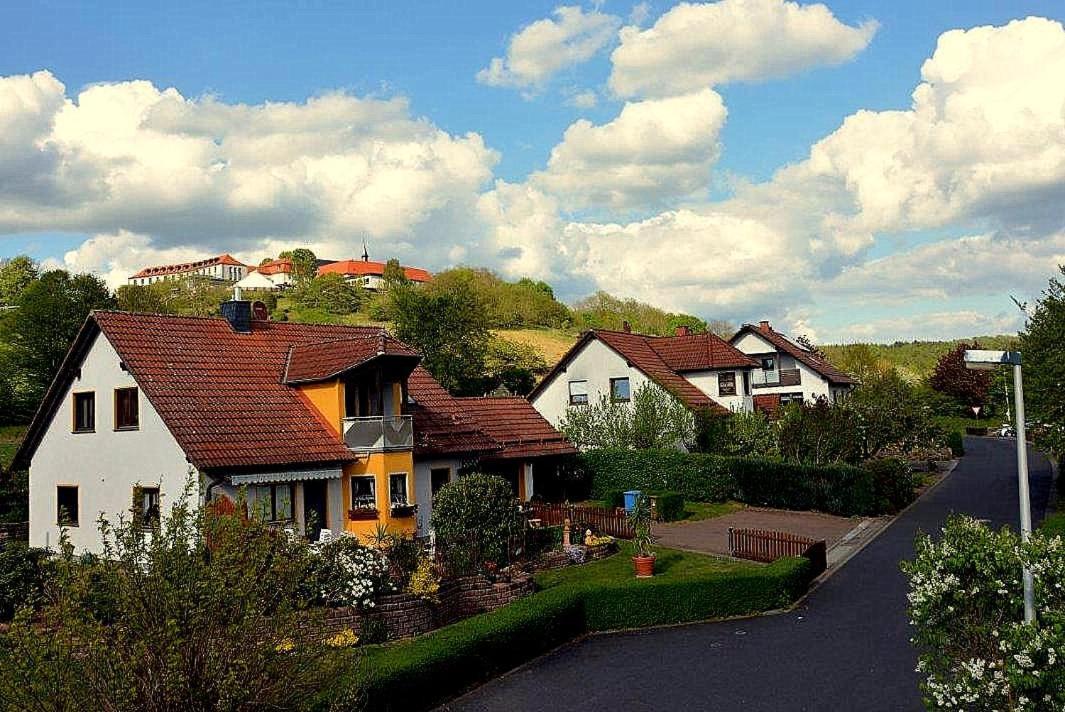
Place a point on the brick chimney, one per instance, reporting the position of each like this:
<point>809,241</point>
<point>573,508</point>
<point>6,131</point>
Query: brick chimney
<point>682,331</point>
<point>764,326</point>
<point>626,327</point>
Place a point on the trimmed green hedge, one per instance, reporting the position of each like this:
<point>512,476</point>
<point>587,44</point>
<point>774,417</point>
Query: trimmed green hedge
<point>956,443</point>
<point>836,489</point>
<point>669,506</point>
<point>423,672</point>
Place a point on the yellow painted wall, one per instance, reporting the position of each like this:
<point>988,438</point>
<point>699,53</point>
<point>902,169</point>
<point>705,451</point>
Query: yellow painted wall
<point>328,399</point>
<point>381,465</point>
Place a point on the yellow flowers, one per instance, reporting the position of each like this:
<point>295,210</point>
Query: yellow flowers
<point>344,639</point>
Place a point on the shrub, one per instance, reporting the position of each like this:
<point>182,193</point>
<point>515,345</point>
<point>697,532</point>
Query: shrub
<point>669,506</point>
<point>836,489</point>
<point>895,484</point>
<point>956,443</point>
<point>750,435</point>
<point>614,498</point>
<point>22,576</point>
<point>476,517</point>
<point>1054,525</point>
<point>350,574</point>
<point>654,418</point>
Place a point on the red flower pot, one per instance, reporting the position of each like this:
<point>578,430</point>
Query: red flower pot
<point>644,565</point>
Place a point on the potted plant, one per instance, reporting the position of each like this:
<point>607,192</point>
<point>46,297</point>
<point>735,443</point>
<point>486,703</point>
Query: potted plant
<point>639,517</point>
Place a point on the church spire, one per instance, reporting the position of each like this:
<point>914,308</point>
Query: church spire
<point>365,252</point>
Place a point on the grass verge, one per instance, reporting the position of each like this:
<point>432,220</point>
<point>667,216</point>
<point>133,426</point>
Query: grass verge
<point>424,672</point>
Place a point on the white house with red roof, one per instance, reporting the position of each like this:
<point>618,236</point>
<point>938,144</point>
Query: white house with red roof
<point>319,426</point>
<point>786,371</point>
<point>370,274</point>
<point>224,269</point>
<point>703,371</point>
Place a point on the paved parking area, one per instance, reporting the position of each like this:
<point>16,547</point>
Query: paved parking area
<point>711,535</point>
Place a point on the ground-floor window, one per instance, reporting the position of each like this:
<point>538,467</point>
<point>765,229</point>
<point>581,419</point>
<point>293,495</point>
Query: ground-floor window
<point>786,398</point>
<point>438,477</point>
<point>274,502</point>
<point>66,498</point>
<point>397,487</point>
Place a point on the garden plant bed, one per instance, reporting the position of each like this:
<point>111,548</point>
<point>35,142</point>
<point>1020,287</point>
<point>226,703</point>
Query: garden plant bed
<point>570,602</point>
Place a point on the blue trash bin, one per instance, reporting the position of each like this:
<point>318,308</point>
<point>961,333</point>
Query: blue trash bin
<point>630,499</point>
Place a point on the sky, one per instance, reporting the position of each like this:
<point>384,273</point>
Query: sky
<point>851,171</point>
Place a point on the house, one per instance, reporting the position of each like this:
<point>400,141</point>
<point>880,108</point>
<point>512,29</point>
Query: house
<point>279,271</point>
<point>786,371</point>
<point>325,426</point>
<point>224,269</point>
<point>702,370</point>
<point>369,274</point>
<point>257,281</point>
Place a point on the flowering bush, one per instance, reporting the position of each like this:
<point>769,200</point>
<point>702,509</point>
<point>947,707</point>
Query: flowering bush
<point>966,605</point>
<point>423,582</point>
<point>350,574</point>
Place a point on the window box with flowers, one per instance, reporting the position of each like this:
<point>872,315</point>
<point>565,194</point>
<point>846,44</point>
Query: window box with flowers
<point>402,511</point>
<point>362,514</point>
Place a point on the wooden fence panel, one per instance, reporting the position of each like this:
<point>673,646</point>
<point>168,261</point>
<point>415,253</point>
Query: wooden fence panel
<point>768,546</point>
<point>601,519</point>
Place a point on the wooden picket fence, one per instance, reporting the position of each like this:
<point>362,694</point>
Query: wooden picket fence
<point>768,546</point>
<point>600,519</point>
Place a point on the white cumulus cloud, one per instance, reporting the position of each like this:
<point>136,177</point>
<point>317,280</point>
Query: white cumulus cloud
<point>696,45</point>
<point>543,48</point>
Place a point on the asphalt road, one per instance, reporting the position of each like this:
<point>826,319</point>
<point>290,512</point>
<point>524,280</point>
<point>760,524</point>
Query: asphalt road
<point>846,648</point>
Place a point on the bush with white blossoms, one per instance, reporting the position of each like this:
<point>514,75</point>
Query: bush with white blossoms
<point>350,574</point>
<point>967,609</point>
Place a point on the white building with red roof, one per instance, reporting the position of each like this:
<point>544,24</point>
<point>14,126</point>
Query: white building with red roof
<point>786,371</point>
<point>370,274</point>
<point>703,371</point>
<point>328,427</point>
<point>224,269</point>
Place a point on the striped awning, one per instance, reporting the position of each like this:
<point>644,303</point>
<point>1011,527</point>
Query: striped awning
<point>258,478</point>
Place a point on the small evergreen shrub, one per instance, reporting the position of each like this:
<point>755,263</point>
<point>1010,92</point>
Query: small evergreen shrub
<point>895,485</point>
<point>956,443</point>
<point>476,517</point>
<point>669,506</point>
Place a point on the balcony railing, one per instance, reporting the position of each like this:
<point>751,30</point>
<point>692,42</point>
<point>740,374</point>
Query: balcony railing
<point>379,433</point>
<point>783,377</point>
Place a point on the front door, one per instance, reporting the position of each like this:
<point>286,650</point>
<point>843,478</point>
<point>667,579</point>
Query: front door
<point>314,507</point>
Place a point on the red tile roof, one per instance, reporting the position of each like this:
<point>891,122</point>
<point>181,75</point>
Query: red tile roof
<point>366,267</point>
<point>786,345</point>
<point>281,266</point>
<point>698,352</point>
<point>226,259</point>
<point>328,359</point>
<point>518,426</point>
<point>442,425</point>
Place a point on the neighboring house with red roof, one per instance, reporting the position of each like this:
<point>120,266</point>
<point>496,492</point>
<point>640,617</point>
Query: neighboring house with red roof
<point>327,426</point>
<point>274,275</point>
<point>223,268</point>
<point>702,370</point>
<point>370,274</point>
<point>786,371</point>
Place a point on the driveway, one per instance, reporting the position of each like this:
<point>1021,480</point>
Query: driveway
<point>711,535</point>
<point>846,648</point>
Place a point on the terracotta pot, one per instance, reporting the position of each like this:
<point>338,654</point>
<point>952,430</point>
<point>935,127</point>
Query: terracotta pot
<point>644,565</point>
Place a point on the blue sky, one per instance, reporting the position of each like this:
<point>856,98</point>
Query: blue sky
<point>429,54</point>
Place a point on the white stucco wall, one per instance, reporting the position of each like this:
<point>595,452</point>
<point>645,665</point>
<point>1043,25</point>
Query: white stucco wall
<point>707,382</point>
<point>595,363</point>
<point>423,490</point>
<point>105,464</point>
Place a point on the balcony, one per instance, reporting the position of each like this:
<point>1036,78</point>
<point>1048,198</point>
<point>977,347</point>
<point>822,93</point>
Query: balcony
<point>771,379</point>
<point>378,433</point>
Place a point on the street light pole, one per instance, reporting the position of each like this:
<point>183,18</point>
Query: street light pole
<point>989,360</point>
<point>1022,486</point>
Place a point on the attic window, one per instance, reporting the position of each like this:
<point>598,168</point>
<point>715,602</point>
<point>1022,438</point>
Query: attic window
<point>619,390</point>
<point>578,392</point>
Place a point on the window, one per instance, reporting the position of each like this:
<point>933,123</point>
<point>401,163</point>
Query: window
<point>274,502</point>
<point>146,505</point>
<point>746,383</point>
<point>769,363</point>
<point>66,510</point>
<point>619,390</point>
<point>786,398</point>
<point>578,392</point>
<point>726,383</point>
<point>84,412</point>
<point>363,493</point>
<point>438,477</point>
<point>397,487</point>
<point>127,415</point>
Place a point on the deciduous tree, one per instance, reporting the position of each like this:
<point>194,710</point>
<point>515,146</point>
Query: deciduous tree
<point>1043,348</point>
<point>950,377</point>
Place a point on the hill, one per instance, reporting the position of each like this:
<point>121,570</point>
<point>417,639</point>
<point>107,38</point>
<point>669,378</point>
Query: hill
<point>914,360</point>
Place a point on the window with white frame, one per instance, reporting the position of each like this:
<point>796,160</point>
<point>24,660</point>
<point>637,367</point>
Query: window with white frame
<point>397,489</point>
<point>274,502</point>
<point>726,383</point>
<point>363,492</point>
<point>619,390</point>
<point>578,392</point>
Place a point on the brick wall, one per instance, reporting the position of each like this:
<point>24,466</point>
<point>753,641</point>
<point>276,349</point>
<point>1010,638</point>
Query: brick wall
<point>402,615</point>
<point>14,531</point>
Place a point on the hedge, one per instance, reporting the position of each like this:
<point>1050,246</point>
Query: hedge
<point>837,489</point>
<point>423,672</point>
<point>669,506</point>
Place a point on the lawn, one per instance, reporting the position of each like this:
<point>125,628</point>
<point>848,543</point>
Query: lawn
<point>698,511</point>
<point>949,423</point>
<point>10,437</point>
<point>671,564</point>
